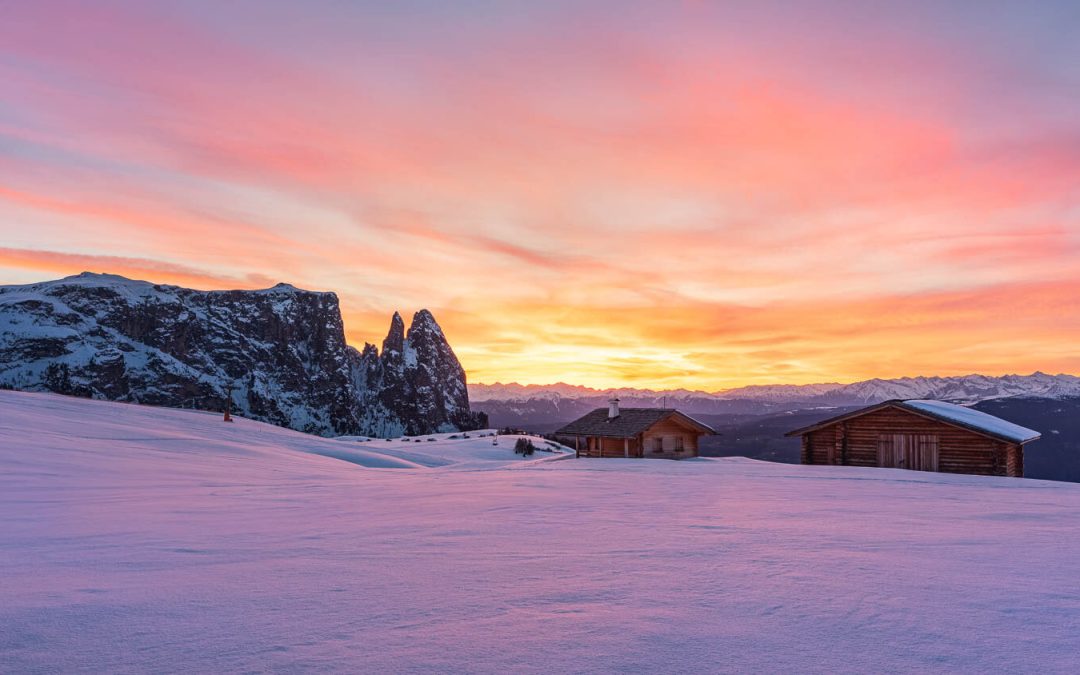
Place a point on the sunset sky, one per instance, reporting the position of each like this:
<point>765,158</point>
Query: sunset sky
<point>664,194</point>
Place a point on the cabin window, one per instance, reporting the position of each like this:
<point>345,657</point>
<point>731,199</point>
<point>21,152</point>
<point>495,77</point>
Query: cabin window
<point>658,444</point>
<point>678,444</point>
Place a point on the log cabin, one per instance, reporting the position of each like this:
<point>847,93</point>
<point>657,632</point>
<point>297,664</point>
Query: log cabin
<point>919,435</point>
<point>658,433</point>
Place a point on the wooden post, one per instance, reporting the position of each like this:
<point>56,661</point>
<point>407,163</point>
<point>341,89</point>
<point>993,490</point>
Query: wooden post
<point>577,448</point>
<point>626,447</point>
<point>228,403</point>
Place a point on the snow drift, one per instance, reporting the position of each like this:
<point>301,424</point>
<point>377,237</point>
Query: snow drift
<point>140,539</point>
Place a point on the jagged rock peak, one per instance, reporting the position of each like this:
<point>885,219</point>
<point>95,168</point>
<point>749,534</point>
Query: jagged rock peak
<point>279,352</point>
<point>424,321</point>
<point>395,338</point>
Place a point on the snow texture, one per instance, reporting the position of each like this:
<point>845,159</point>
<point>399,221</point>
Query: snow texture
<point>974,419</point>
<point>135,539</point>
<point>280,353</point>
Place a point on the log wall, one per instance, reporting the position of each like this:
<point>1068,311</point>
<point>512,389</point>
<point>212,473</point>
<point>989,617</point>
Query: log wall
<point>854,442</point>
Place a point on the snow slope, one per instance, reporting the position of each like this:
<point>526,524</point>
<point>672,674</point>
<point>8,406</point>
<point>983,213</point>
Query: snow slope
<point>135,539</point>
<point>169,440</point>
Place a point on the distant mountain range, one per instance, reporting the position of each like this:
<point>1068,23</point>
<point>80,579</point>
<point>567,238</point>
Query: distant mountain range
<point>752,421</point>
<point>278,353</point>
<point>969,388</point>
<point>517,405</point>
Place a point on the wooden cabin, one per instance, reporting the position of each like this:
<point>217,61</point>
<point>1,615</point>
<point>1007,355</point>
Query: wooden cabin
<point>919,435</point>
<point>660,433</point>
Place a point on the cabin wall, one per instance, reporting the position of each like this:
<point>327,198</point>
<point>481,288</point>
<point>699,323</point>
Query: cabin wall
<point>668,431</point>
<point>821,446</point>
<point>854,442</point>
<point>597,446</point>
<point>1014,460</point>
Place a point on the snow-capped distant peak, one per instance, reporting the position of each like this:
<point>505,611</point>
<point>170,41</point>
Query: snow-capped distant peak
<point>961,389</point>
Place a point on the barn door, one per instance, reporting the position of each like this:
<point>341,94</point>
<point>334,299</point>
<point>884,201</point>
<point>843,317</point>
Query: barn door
<point>926,453</point>
<point>918,452</point>
<point>890,453</point>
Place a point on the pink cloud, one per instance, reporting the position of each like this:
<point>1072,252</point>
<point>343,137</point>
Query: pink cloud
<point>670,191</point>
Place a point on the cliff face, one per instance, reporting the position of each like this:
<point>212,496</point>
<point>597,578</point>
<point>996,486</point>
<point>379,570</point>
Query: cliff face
<point>417,382</point>
<point>280,354</point>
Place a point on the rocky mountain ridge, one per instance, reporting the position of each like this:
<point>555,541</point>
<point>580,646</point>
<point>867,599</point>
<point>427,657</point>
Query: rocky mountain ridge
<point>966,388</point>
<point>280,354</point>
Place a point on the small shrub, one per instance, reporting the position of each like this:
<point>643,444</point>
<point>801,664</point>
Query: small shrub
<point>524,446</point>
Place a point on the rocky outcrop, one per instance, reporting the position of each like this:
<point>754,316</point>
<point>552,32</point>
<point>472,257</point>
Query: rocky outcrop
<point>279,353</point>
<point>416,385</point>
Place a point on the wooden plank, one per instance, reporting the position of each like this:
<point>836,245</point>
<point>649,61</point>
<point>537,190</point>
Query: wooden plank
<point>937,446</point>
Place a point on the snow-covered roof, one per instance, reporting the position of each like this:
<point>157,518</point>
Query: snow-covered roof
<point>974,419</point>
<point>950,413</point>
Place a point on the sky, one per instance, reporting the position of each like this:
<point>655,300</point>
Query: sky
<point>651,194</point>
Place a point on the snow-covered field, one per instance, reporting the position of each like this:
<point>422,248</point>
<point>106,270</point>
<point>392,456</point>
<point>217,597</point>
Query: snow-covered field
<point>141,539</point>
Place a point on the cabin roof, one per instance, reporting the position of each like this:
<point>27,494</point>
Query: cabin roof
<point>949,413</point>
<point>629,423</point>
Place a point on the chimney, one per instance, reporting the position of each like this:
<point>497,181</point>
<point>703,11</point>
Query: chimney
<point>613,408</point>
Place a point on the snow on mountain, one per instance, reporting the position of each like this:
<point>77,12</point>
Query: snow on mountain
<point>140,539</point>
<point>546,407</point>
<point>279,352</point>
<point>967,389</point>
<point>963,389</point>
<point>779,392</point>
<point>524,392</point>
